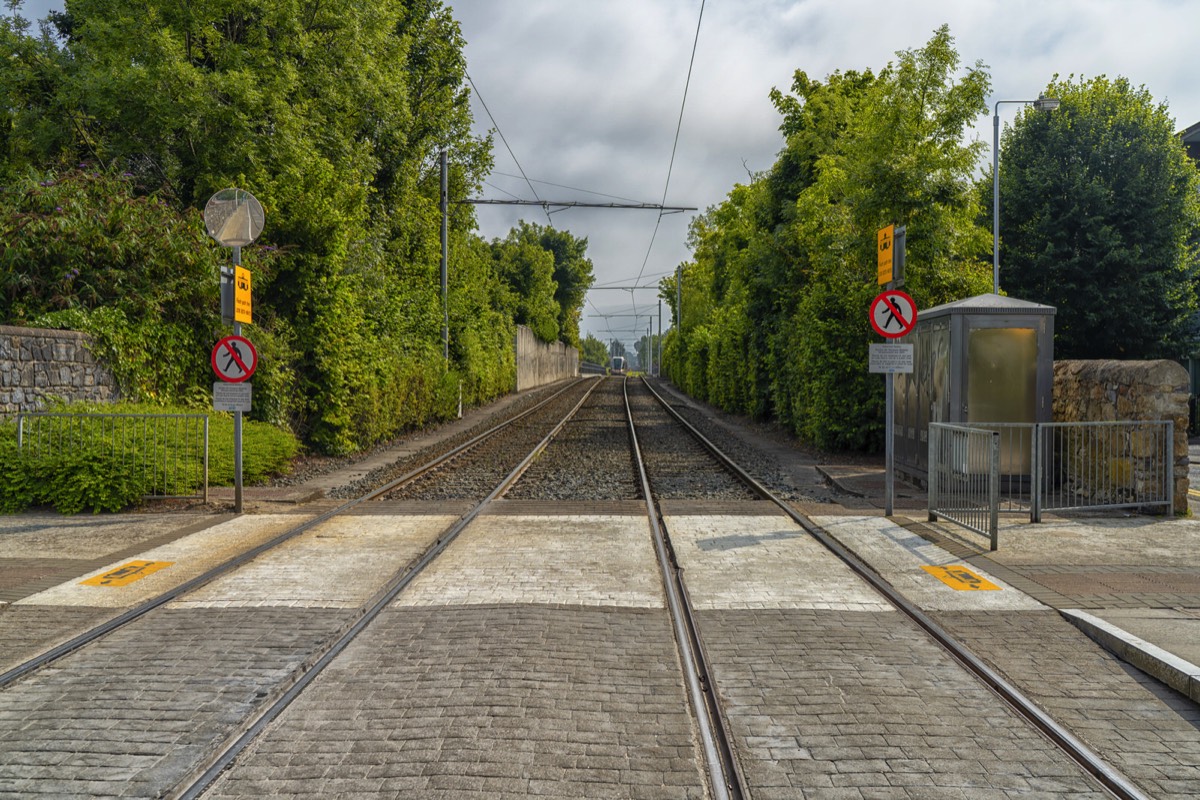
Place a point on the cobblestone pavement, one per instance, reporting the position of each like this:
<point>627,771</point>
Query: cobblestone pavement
<point>1144,729</point>
<point>831,693</point>
<point>534,658</point>
<point>134,713</point>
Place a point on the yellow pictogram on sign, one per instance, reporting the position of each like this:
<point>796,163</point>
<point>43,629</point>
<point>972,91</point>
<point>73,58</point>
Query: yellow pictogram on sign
<point>241,295</point>
<point>884,239</point>
<point>127,573</point>
<point>959,577</point>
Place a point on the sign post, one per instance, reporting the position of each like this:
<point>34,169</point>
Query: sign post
<point>235,218</point>
<point>893,314</point>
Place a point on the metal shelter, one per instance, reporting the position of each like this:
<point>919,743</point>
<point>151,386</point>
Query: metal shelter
<point>988,358</point>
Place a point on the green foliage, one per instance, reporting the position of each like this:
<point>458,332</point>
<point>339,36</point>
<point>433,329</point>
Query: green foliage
<point>332,115</point>
<point>105,472</point>
<point>545,277</point>
<point>572,276</point>
<point>1100,213</point>
<point>593,350</point>
<point>774,318</point>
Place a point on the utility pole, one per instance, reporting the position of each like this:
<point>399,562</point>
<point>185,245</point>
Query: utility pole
<point>443,157</point>
<point>679,297</point>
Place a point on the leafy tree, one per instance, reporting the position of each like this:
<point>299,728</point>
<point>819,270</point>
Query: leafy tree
<point>572,276</point>
<point>528,272</point>
<point>1099,217</point>
<point>775,302</point>
<point>593,350</point>
<point>549,275</point>
<point>332,114</point>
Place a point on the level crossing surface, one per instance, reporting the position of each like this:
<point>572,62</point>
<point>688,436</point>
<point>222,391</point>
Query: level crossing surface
<point>534,658</point>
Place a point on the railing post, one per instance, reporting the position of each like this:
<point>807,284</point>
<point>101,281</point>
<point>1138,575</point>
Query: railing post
<point>20,432</point>
<point>935,435</point>
<point>1170,462</point>
<point>206,459</point>
<point>994,491</point>
<point>1035,475</point>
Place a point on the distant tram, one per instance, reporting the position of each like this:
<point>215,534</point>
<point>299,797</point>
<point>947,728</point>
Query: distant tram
<point>617,365</point>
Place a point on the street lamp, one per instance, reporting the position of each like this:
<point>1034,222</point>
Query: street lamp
<point>1043,103</point>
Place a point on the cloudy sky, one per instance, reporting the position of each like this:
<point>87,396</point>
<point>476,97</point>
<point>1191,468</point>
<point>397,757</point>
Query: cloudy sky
<point>588,94</point>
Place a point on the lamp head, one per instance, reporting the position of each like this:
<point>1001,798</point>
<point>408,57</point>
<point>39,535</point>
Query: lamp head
<point>1044,103</point>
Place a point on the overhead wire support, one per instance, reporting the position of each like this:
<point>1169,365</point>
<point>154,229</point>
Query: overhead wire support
<point>547,204</point>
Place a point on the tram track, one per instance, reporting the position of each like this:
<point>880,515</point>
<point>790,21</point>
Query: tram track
<point>379,490</point>
<point>1108,776</point>
<point>195,786</point>
<point>673,471</point>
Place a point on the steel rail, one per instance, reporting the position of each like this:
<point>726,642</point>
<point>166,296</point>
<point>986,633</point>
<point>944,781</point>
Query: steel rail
<point>1108,776</point>
<point>228,754</point>
<point>723,772</point>
<point>87,637</point>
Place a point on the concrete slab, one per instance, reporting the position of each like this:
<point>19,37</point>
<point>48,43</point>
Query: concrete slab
<point>1135,634</point>
<point>339,564</point>
<point>744,562</point>
<point>899,556</point>
<point>596,560</point>
<point>188,557</point>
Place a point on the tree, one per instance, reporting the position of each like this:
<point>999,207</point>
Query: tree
<point>527,270</point>
<point>572,277</point>
<point>1099,218</point>
<point>331,114</point>
<point>593,350</point>
<point>774,303</point>
<point>549,276</point>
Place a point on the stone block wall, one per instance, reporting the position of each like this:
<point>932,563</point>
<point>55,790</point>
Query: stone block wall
<point>36,364</point>
<point>1093,391</point>
<point>539,363</point>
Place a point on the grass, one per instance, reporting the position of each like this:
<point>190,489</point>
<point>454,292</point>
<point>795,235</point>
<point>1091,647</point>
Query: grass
<point>266,450</point>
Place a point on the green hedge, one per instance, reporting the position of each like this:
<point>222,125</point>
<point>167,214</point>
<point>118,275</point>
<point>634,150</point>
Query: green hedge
<point>100,476</point>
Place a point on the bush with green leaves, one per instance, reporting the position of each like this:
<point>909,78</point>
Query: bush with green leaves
<point>90,461</point>
<point>774,306</point>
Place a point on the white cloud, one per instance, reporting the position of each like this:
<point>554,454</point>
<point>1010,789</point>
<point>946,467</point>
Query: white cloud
<point>588,92</point>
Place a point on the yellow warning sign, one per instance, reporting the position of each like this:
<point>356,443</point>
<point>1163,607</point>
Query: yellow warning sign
<point>242,305</point>
<point>883,240</point>
<point>127,573</point>
<point>959,577</point>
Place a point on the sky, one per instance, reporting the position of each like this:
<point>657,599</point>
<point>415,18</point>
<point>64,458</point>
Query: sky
<point>590,94</point>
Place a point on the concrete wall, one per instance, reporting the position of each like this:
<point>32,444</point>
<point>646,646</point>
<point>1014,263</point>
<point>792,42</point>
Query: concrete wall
<point>36,364</point>
<point>539,363</point>
<point>1093,391</point>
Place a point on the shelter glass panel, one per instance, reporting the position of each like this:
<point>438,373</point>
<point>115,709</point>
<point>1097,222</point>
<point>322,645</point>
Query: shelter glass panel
<point>1002,386</point>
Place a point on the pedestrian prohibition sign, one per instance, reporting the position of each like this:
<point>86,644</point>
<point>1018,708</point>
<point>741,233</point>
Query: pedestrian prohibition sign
<point>234,359</point>
<point>893,314</point>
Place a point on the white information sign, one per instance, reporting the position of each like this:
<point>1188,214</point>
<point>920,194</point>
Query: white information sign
<point>891,358</point>
<point>231,396</point>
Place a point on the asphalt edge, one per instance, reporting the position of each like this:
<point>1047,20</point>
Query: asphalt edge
<point>841,486</point>
<point>1180,675</point>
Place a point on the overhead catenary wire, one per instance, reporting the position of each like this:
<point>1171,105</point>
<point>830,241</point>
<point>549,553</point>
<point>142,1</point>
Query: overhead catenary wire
<point>500,133</point>
<point>675,145</point>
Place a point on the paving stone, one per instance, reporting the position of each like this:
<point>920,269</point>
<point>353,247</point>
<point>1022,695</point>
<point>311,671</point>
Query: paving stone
<point>464,746</point>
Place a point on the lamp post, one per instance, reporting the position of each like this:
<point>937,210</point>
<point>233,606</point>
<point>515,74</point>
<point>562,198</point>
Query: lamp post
<point>1043,103</point>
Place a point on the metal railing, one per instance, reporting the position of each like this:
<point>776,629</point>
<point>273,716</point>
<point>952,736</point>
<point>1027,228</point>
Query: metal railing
<point>167,452</point>
<point>1094,465</point>
<point>964,478</point>
<point>1078,466</point>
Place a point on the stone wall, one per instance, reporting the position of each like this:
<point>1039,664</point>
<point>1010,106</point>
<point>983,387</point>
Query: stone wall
<point>539,363</point>
<point>36,364</point>
<point>1092,391</point>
